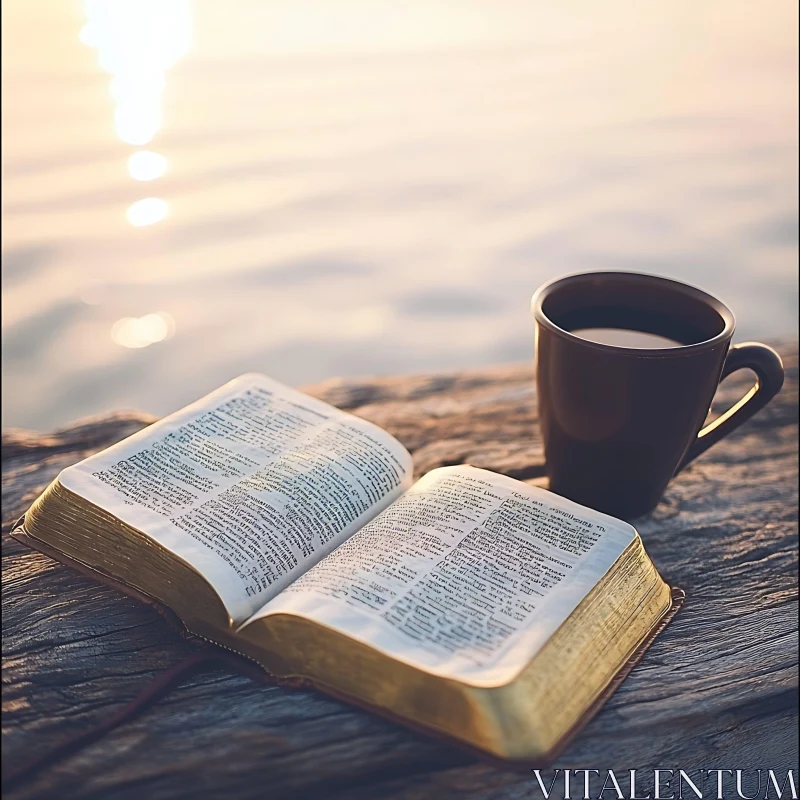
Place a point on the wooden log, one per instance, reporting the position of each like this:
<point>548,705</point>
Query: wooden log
<point>718,690</point>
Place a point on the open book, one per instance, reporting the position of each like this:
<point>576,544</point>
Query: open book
<point>273,524</point>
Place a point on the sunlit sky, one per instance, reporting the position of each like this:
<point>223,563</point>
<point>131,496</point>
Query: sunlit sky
<point>192,190</point>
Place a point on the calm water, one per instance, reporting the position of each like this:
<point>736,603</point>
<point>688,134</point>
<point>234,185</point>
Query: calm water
<point>360,187</point>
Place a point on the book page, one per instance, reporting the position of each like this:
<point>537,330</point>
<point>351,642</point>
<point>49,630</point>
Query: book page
<point>467,574</point>
<point>251,485</point>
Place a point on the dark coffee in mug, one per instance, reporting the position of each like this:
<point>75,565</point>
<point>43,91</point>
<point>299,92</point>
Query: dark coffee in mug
<point>626,368</point>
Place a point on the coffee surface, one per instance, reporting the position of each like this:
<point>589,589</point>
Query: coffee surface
<point>621,337</point>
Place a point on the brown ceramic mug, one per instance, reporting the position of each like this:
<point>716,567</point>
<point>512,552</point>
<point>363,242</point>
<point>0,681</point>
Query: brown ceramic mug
<point>618,422</point>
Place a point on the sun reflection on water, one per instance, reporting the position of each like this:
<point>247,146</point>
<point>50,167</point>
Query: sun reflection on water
<point>145,165</point>
<point>146,212</point>
<point>137,332</point>
<point>137,41</point>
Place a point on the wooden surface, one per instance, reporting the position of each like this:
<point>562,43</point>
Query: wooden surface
<point>717,690</point>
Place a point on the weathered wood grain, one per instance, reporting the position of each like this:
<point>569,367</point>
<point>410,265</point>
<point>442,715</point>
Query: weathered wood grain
<point>717,690</point>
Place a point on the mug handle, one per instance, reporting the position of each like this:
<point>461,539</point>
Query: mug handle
<point>767,365</point>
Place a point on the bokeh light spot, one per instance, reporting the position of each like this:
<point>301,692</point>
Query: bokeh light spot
<point>137,332</point>
<point>147,211</point>
<point>146,165</point>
